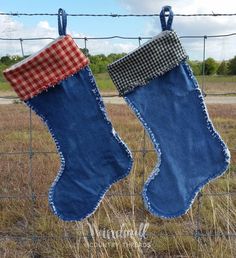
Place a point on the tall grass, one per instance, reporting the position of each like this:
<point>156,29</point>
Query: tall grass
<point>21,217</point>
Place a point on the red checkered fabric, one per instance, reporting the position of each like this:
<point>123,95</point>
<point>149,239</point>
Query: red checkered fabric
<point>47,68</point>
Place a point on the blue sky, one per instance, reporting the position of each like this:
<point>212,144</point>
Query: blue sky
<point>92,26</point>
<point>39,26</point>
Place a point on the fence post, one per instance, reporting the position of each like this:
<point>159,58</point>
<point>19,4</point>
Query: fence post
<point>21,47</point>
<point>203,66</point>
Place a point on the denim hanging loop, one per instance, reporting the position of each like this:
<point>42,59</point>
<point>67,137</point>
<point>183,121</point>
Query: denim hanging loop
<point>166,12</point>
<point>62,22</point>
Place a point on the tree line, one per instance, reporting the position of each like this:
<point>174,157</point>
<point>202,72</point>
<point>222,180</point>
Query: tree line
<point>213,67</point>
<point>98,64</point>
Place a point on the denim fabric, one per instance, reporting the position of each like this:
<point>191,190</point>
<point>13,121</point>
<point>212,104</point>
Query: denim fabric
<point>190,151</point>
<point>93,156</point>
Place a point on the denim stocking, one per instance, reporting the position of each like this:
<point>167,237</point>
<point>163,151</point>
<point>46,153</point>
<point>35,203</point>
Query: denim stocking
<point>93,157</point>
<point>159,86</point>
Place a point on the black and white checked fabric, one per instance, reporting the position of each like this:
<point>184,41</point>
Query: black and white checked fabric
<point>152,59</point>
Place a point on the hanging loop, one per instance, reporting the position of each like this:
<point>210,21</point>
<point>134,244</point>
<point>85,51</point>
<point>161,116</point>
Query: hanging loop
<point>62,22</point>
<point>166,11</point>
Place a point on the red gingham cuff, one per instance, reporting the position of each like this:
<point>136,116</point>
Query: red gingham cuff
<point>46,68</point>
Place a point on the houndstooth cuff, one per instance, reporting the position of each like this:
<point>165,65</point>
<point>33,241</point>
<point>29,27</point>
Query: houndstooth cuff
<point>152,59</point>
<point>45,69</point>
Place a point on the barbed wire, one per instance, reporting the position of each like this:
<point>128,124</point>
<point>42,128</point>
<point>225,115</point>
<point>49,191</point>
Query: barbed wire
<point>115,15</point>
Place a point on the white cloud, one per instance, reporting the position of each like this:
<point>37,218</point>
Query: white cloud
<point>104,46</point>
<point>11,28</point>
<point>44,25</point>
<point>193,25</point>
<point>181,6</point>
<point>109,46</point>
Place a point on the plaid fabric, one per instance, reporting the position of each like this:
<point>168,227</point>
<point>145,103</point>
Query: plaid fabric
<point>152,59</point>
<point>47,68</point>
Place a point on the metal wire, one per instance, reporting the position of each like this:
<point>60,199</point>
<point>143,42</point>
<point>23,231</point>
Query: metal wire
<point>117,95</point>
<point>122,37</point>
<point>115,15</point>
<point>109,194</point>
<point>197,234</point>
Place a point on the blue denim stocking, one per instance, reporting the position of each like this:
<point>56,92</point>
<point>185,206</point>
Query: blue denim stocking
<point>93,157</point>
<point>159,86</point>
<point>58,85</point>
<point>190,152</point>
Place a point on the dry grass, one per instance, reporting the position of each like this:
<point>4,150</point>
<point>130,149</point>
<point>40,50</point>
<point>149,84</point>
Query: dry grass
<point>21,218</point>
<point>219,87</point>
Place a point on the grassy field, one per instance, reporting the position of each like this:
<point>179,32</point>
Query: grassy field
<point>21,217</point>
<point>219,78</point>
<point>213,84</point>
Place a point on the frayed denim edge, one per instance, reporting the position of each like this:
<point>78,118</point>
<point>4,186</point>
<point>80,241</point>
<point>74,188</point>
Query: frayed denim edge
<point>62,159</point>
<point>156,170</point>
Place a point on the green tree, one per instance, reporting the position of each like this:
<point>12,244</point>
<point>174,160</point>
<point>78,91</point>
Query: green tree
<point>223,68</point>
<point>232,66</point>
<point>210,66</point>
<point>9,60</point>
<point>196,67</point>
<point>6,60</point>
<point>113,57</point>
<point>94,68</point>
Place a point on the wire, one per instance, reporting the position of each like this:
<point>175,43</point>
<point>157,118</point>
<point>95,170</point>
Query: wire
<point>123,37</point>
<point>117,95</point>
<point>114,15</point>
